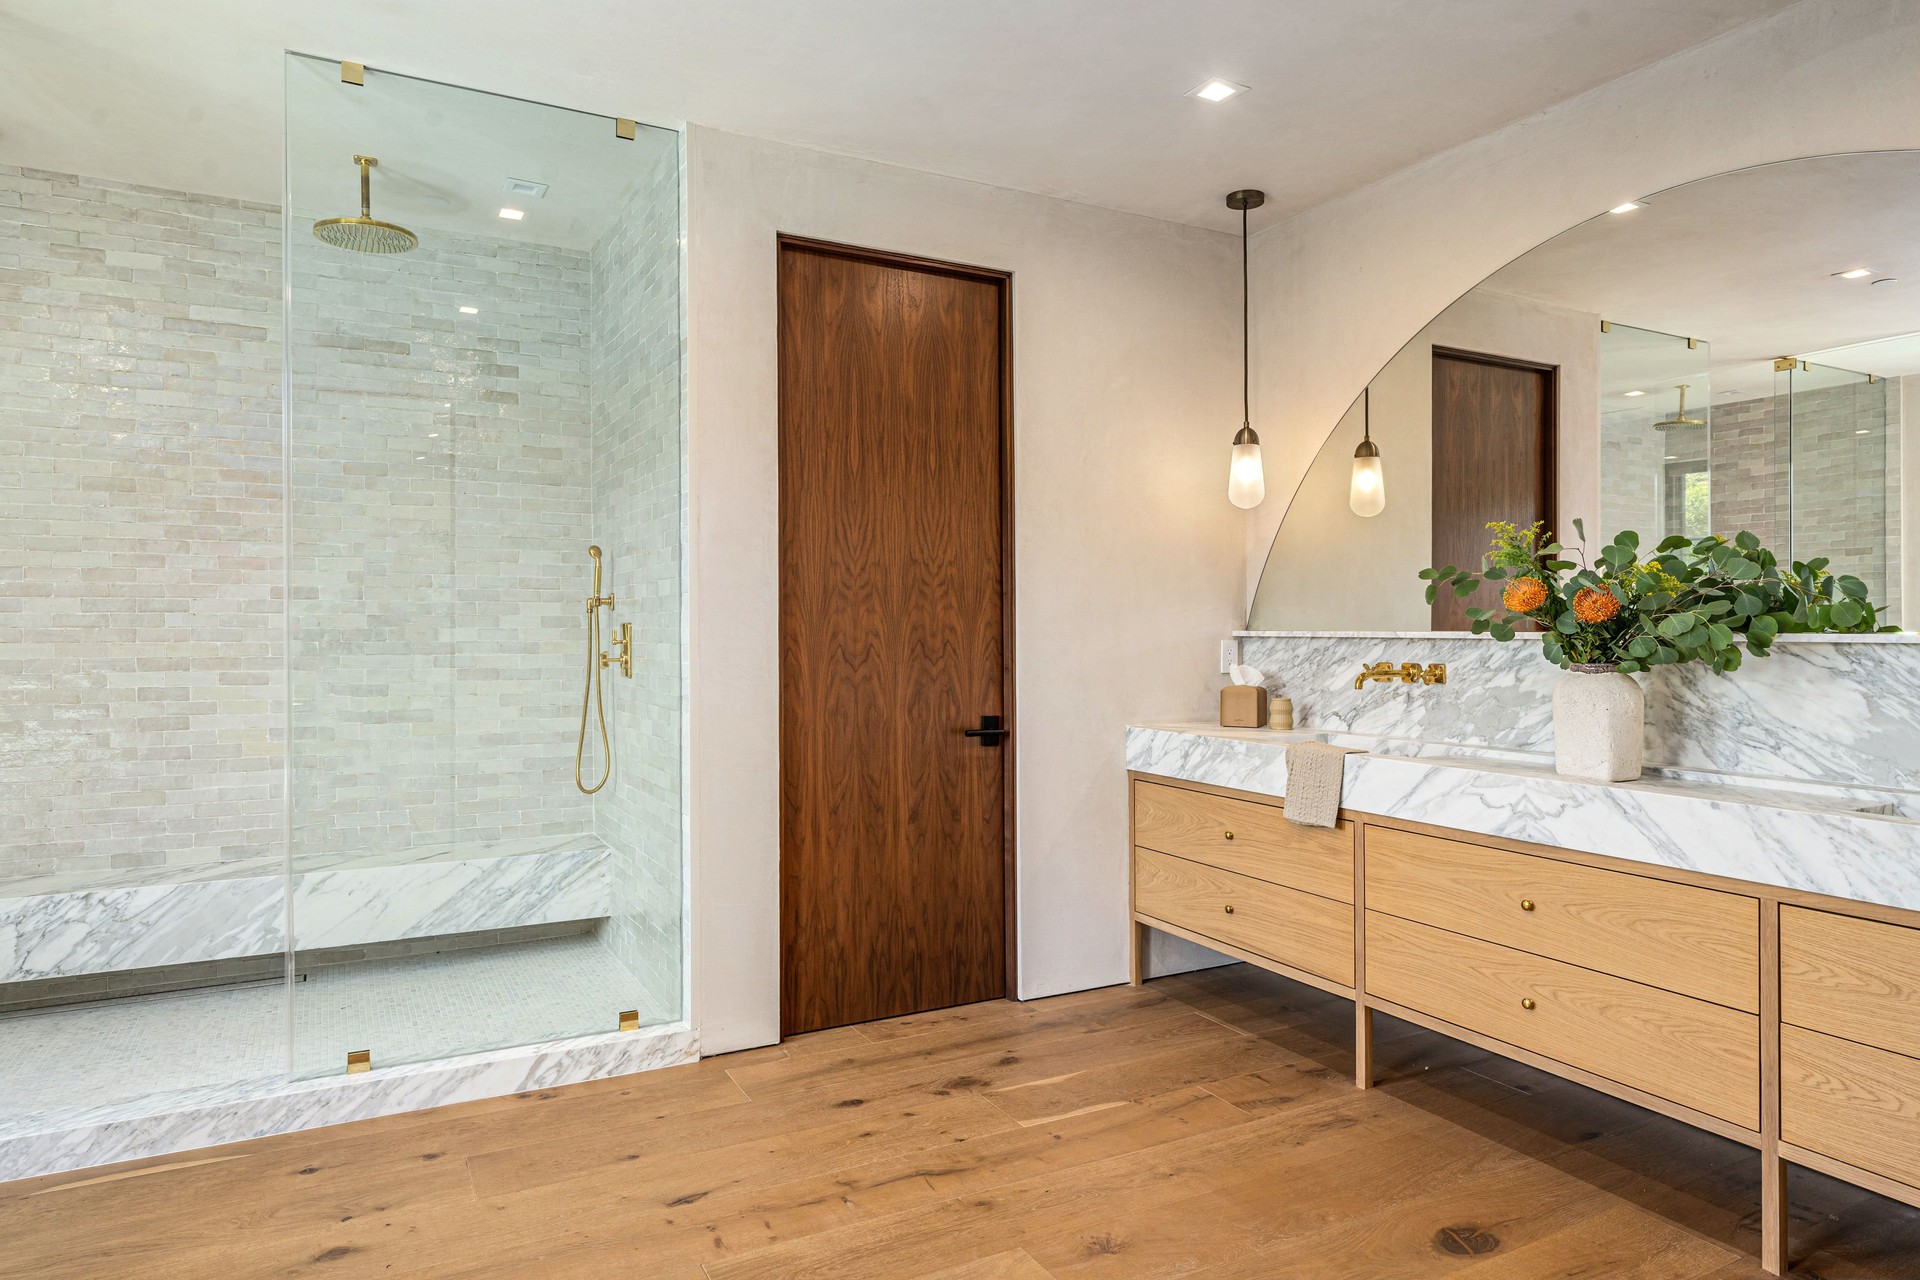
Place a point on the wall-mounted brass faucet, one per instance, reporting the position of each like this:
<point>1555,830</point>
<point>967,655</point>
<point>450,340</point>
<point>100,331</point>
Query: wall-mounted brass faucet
<point>1405,673</point>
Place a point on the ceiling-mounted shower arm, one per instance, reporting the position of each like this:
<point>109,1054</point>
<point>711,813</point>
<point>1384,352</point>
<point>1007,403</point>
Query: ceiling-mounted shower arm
<point>366,164</point>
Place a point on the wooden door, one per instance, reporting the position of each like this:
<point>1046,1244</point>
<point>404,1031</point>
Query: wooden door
<point>894,597</point>
<point>1493,434</point>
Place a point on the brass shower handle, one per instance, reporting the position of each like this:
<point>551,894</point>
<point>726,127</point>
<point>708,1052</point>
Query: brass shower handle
<point>622,645</point>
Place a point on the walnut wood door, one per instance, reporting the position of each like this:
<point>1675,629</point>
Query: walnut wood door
<point>1493,436</point>
<point>894,824</point>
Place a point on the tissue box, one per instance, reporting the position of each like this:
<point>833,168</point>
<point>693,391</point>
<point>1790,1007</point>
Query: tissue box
<point>1243,706</point>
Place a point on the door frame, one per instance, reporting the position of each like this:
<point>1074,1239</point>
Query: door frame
<point>1009,745</point>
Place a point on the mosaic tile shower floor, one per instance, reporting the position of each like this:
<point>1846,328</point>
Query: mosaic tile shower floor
<point>409,1009</point>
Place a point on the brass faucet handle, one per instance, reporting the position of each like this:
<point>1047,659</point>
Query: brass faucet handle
<point>1436,673</point>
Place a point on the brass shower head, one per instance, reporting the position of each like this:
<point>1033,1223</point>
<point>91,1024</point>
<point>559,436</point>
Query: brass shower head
<point>365,234</point>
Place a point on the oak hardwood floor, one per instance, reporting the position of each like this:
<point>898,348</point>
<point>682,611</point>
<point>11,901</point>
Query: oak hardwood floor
<point>1204,1127</point>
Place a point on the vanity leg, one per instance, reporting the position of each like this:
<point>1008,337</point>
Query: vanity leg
<point>1773,1170</point>
<point>1773,1214</point>
<point>1362,1045</point>
<point>1138,954</point>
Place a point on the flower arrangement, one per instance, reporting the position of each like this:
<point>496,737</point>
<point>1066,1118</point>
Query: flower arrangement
<point>1690,601</point>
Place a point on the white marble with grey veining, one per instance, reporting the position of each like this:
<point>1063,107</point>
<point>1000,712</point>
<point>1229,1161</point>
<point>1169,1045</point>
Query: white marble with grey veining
<point>1825,709</point>
<point>257,1109</point>
<point>144,925</point>
<point>1780,837</point>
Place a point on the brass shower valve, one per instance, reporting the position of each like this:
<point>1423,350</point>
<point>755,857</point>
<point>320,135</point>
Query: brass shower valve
<point>623,646</point>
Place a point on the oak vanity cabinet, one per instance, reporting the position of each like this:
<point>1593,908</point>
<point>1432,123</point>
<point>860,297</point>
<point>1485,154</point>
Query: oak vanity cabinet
<point>1233,874</point>
<point>1850,1047</point>
<point>1785,1021</point>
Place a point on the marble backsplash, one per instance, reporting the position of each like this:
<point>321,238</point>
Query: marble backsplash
<point>1840,711</point>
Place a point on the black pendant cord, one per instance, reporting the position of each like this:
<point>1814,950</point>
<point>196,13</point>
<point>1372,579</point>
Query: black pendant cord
<point>1246,339</point>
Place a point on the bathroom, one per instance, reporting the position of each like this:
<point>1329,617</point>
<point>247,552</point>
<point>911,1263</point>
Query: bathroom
<point>417,693</point>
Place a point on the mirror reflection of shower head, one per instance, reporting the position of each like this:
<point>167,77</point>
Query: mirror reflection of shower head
<point>366,233</point>
<point>1679,418</point>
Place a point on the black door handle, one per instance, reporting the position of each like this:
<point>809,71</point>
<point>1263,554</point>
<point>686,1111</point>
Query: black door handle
<point>990,733</point>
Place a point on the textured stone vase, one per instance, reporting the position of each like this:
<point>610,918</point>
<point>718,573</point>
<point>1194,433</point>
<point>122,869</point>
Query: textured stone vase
<point>1599,720</point>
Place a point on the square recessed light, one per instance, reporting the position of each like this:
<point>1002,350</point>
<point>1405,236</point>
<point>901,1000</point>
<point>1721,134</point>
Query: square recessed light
<point>513,215</point>
<point>1633,393</point>
<point>469,311</point>
<point>1628,207</point>
<point>1216,90</point>
<point>1855,274</point>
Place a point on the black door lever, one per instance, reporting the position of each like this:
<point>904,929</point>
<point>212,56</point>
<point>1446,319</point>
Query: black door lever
<point>990,733</point>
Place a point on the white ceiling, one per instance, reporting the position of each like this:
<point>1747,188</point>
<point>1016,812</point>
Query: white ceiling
<point>1074,98</point>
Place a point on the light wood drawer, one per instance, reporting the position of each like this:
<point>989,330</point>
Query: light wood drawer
<point>1299,929</point>
<point>1698,942</point>
<point>1700,1055</point>
<point>1244,836</point>
<point>1858,979</point>
<point>1851,1101</point>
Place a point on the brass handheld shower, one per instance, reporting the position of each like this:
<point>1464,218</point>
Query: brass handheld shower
<point>593,697</point>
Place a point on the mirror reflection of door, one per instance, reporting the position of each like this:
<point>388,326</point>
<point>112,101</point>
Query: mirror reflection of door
<point>1493,435</point>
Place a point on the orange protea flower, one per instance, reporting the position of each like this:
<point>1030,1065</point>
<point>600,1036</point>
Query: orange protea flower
<point>1524,595</point>
<point>1590,605</point>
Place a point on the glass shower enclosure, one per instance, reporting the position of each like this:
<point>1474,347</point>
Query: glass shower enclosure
<point>343,669</point>
<point>483,570</point>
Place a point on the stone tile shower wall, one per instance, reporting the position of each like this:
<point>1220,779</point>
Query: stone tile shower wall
<point>140,511</point>
<point>449,470</point>
<point>442,500</point>
<point>640,521</point>
<point>1827,491</point>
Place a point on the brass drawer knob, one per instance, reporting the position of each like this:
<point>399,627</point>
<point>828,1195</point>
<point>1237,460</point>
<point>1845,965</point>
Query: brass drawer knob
<point>1229,910</point>
<point>1526,904</point>
<point>1227,834</point>
<point>1526,1002</point>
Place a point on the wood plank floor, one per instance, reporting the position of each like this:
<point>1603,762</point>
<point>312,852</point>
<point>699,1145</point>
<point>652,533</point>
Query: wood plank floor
<point>1203,1127</point>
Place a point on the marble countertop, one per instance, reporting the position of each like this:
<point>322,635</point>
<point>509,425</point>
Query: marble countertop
<point>1787,834</point>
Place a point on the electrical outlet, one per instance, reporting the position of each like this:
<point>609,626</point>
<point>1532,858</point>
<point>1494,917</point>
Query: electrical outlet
<point>1229,655</point>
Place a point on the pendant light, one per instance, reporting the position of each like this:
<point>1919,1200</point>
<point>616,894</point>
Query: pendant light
<point>1246,481</point>
<point>1367,494</point>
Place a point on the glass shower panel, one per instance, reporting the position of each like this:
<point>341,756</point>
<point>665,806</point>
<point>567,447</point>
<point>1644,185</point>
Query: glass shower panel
<point>1656,456</point>
<point>1839,466</point>
<point>483,383</point>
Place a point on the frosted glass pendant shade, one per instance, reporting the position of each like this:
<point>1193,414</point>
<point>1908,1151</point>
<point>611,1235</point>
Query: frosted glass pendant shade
<point>1246,479</point>
<point>1367,495</point>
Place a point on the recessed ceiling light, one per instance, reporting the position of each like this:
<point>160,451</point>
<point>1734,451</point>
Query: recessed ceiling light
<point>1862,431</point>
<point>526,187</point>
<point>513,215</point>
<point>1672,457</point>
<point>1628,207</point>
<point>1633,393</point>
<point>1731,391</point>
<point>469,311</point>
<point>1854,274</point>
<point>1216,90</point>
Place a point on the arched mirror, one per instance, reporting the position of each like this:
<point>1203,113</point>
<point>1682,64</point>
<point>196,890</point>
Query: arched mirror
<point>1729,354</point>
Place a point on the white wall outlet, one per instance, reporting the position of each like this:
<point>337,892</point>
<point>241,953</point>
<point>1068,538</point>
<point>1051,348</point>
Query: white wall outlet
<point>1229,655</point>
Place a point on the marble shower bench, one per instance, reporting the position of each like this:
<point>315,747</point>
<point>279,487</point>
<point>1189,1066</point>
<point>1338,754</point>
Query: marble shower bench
<point>65,927</point>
